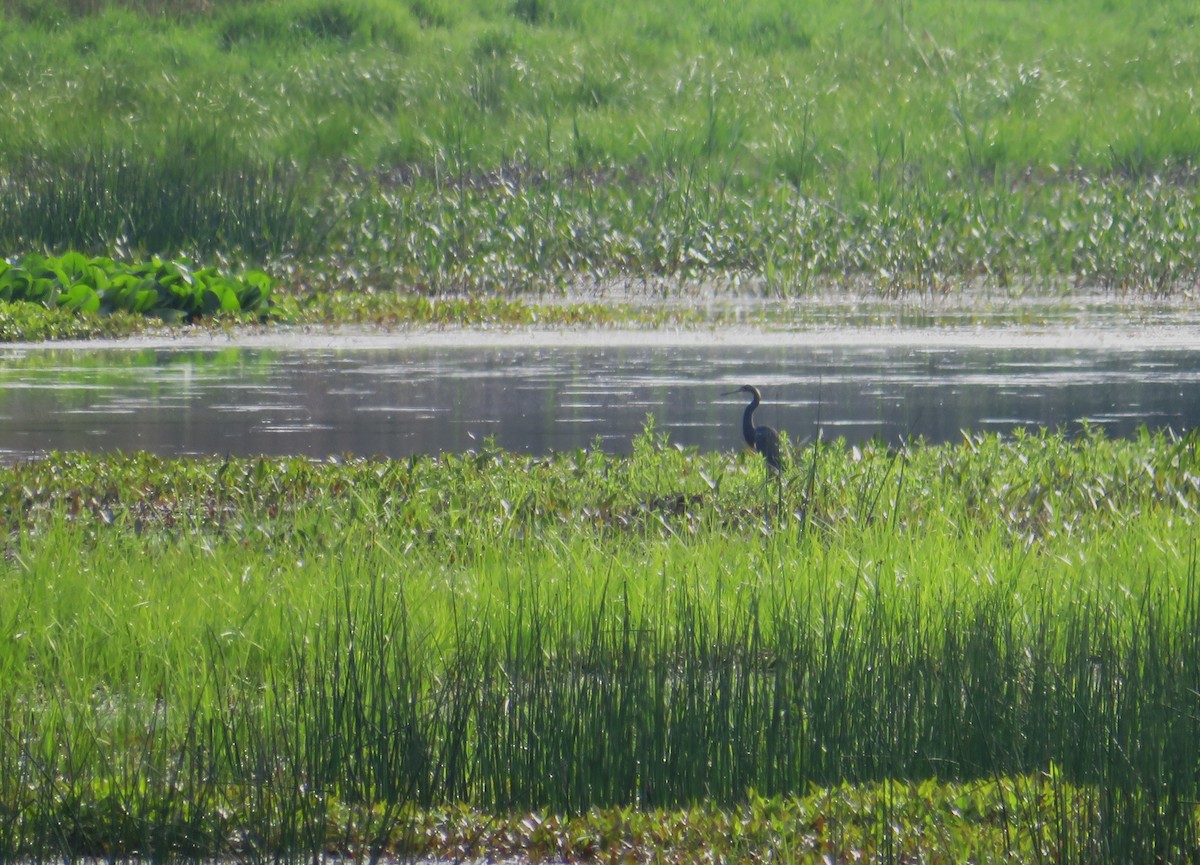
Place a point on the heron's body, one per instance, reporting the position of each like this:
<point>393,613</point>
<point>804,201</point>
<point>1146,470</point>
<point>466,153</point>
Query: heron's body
<point>763,439</point>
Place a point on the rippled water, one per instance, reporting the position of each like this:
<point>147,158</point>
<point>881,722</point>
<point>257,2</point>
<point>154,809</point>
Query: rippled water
<point>400,396</point>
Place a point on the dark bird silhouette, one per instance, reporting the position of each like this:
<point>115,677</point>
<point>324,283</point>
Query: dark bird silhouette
<point>763,439</point>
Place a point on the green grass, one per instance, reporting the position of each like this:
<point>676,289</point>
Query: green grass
<point>275,656</point>
<point>984,651</point>
<point>516,145</point>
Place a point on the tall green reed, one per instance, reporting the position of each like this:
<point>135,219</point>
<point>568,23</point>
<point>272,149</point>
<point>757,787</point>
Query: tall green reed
<point>335,643</point>
<point>193,195</point>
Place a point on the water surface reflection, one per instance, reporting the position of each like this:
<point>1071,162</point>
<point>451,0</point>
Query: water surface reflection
<point>397,401</point>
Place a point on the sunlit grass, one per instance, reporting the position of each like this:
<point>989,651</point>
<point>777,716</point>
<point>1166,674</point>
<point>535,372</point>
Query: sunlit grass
<point>507,146</point>
<point>268,638</point>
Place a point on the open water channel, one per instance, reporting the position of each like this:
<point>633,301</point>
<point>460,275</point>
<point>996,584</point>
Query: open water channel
<point>428,392</point>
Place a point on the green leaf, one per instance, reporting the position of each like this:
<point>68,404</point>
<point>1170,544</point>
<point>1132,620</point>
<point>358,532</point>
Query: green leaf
<point>44,290</point>
<point>80,298</point>
<point>182,297</point>
<point>250,297</point>
<point>17,281</point>
<point>75,266</point>
<point>210,302</point>
<point>229,299</point>
<point>97,277</point>
<point>145,300</point>
<point>257,291</point>
<point>257,278</point>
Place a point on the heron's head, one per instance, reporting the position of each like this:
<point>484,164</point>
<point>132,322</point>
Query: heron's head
<point>746,388</point>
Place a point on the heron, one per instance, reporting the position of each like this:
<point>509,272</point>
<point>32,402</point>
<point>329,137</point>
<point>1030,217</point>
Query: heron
<point>763,439</point>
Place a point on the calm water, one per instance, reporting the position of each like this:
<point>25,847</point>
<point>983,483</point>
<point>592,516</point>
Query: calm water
<point>399,400</point>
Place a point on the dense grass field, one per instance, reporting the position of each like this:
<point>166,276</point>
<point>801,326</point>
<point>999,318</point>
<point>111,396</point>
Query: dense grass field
<point>508,145</point>
<point>985,650</point>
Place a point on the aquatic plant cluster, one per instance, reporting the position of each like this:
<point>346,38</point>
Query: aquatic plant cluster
<point>982,651</point>
<point>494,145</point>
<point>168,290</point>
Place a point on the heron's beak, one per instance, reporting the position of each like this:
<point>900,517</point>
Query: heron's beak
<point>731,392</point>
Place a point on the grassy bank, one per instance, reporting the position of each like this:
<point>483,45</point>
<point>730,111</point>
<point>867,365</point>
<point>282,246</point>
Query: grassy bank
<point>275,657</point>
<point>508,146</point>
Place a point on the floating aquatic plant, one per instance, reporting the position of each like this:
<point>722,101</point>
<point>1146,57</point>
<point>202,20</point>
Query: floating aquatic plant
<point>168,290</point>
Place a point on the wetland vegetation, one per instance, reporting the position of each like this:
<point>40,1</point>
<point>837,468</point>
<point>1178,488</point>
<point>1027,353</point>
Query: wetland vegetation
<point>981,651</point>
<point>985,649</point>
<point>438,148</point>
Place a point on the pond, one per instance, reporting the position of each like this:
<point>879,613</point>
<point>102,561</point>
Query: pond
<point>409,393</point>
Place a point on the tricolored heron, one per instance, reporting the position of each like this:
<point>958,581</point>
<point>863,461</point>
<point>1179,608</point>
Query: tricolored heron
<point>763,439</point>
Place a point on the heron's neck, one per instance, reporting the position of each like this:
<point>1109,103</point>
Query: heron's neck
<point>748,422</point>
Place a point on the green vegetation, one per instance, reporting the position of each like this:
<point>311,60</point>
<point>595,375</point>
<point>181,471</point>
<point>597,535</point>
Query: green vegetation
<point>512,144</point>
<point>171,291</point>
<point>74,297</point>
<point>980,651</point>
